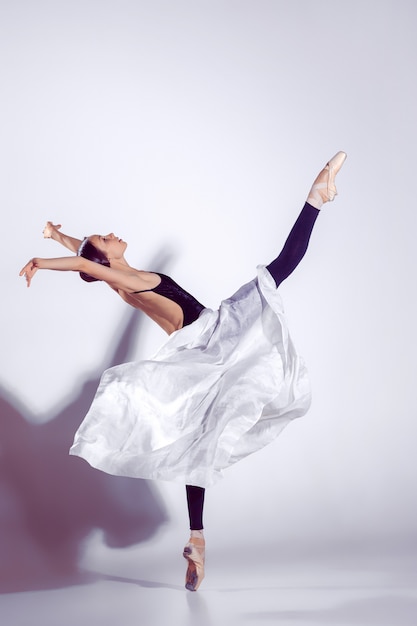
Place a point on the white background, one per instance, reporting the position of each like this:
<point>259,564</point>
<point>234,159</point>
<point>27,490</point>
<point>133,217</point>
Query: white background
<point>194,129</point>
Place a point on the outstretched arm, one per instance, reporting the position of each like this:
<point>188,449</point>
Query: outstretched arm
<point>52,231</point>
<point>71,263</point>
<point>126,280</point>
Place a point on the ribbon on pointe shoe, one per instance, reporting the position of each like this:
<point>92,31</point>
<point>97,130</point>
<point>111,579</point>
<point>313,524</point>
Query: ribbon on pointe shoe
<point>324,188</point>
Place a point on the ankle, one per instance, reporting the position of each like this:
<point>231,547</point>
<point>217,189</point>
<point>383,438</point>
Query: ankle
<point>318,194</point>
<point>197,534</point>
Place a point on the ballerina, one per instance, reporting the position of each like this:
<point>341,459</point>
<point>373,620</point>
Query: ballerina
<point>224,384</point>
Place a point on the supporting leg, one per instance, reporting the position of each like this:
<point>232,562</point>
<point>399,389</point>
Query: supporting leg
<point>194,551</point>
<point>195,502</point>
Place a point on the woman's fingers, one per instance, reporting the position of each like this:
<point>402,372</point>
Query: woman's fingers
<point>28,271</point>
<point>47,231</point>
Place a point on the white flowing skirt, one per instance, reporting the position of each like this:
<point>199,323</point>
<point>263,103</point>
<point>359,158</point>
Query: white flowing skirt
<point>218,390</point>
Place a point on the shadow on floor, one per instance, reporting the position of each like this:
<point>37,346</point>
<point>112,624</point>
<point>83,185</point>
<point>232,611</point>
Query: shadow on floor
<point>50,501</point>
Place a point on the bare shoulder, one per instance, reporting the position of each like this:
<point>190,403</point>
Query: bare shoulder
<point>146,280</point>
<point>133,283</point>
<point>132,280</point>
<point>119,276</point>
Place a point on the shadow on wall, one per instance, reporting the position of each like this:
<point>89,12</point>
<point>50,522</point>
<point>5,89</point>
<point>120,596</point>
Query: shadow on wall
<point>50,501</point>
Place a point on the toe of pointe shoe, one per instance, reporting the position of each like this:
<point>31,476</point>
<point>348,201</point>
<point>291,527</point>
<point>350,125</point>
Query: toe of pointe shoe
<point>333,167</point>
<point>194,576</point>
<point>195,556</point>
<point>337,161</point>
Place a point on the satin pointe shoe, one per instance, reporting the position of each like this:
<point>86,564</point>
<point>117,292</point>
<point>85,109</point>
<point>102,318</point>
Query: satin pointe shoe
<point>194,552</point>
<point>324,188</point>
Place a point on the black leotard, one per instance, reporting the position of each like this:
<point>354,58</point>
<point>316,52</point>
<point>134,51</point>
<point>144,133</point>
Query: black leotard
<point>191,308</point>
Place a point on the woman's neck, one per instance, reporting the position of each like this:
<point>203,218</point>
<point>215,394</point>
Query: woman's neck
<point>119,264</point>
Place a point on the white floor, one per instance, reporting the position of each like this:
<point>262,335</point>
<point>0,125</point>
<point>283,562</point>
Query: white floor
<point>144,586</point>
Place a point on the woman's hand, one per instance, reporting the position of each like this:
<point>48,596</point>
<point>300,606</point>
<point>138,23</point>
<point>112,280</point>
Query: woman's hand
<point>29,271</point>
<point>50,229</point>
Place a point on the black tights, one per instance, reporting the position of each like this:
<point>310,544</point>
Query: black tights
<point>296,245</point>
<point>280,268</point>
<point>195,502</point>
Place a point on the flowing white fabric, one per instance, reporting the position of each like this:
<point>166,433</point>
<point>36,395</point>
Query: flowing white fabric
<point>218,390</point>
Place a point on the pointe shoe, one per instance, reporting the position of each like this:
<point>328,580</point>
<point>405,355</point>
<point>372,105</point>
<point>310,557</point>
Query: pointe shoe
<point>194,552</point>
<point>324,189</point>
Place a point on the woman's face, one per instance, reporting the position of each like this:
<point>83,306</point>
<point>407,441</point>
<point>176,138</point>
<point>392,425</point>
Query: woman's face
<point>110,245</point>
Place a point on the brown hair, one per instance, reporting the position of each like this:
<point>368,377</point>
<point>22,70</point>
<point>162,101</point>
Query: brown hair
<point>88,251</point>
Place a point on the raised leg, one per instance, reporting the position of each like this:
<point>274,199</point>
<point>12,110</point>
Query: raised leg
<point>295,247</point>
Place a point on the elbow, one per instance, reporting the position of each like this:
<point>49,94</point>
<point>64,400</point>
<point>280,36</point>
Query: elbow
<point>80,264</point>
<point>85,268</point>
